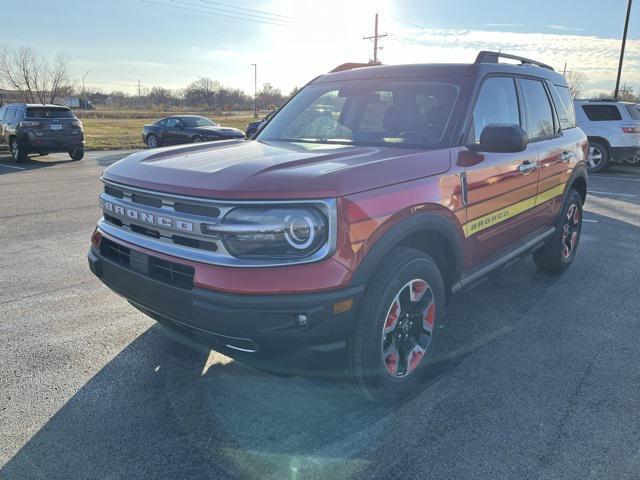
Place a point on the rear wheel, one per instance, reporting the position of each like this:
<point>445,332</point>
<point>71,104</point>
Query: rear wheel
<point>77,154</point>
<point>17,152</point>
<point>598,156</point>
<point>391,346</point>
<point>561,249</point>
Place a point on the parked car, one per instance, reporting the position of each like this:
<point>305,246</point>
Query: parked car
<point>613,129</point>
<point>179,129</point>
<point>37,128</point>
<point>253,127</point>
<point>338,239</point>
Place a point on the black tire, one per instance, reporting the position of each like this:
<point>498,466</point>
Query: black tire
<point>16,152</point>
<point>598,156</point>
<point>153,141</point>
<point>367,369</point>
<point>77,154</point>
<point>560,250</point>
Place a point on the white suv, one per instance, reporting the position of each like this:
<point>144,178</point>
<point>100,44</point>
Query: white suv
<point>613,129</point>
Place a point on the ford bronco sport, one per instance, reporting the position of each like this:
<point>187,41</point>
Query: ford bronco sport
<point>339,234</point>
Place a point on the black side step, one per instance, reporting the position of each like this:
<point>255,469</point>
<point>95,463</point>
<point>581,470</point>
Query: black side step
<point>530,243</point>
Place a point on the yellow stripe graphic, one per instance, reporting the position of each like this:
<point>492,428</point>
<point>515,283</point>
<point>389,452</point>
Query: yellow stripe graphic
<point>511,211</point>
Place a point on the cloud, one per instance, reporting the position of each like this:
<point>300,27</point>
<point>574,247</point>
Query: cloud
<point>564,28</point>
<point>503,25</point>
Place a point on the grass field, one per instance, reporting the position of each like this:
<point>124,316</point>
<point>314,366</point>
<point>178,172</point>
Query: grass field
<point>122,129</point>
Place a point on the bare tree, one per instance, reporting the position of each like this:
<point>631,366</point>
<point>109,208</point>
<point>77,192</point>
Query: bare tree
<point>32,77</point>
<point>576,82</point>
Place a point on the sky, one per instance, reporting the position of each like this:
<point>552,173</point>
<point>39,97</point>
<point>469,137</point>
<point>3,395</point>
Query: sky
<point>171,43</point>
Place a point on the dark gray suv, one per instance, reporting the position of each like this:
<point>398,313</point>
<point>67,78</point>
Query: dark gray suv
<point>37,128</point>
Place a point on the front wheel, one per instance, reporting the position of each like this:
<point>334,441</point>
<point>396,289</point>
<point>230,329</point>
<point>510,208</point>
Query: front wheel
<point>561,248</point>
<point>152,141</point>
<point>392,343</point>
<point>598,156</point>
<point>77,154</point>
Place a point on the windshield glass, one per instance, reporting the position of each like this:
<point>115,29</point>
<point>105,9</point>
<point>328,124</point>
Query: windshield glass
<point>197,122</point>
<point>396,112</point>
<point>47,112</point>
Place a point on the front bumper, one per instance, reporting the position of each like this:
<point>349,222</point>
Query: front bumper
<point>261,330</point>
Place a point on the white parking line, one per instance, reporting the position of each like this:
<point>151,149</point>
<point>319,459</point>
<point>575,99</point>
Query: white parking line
<point>11,166</point>
<point>588,220</point>
<point>630,195</point>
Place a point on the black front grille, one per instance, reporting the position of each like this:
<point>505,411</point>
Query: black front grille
<point>176,274</point>
<point>197,209</point>
<point>144,200</point>
<point>114,192</point>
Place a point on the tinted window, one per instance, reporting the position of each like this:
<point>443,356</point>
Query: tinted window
<point>197,122</point>
<point>11,112</point>
<point>2,113</point>
<point>49,112</point>
<point>564,106</point>
<point>602,113</point>
<point>497,103</point>
<point>539,115</point>
<point>379,112</point>
<point>634,111</point>
<point>173,122</point>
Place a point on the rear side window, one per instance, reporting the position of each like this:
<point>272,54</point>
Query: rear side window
<point>634,111</point>
<point>564,106</point>
<point>47,112</point>
<point>497,103</point>
<point>539,114</point>
<point>602,113</point>
<point>10,113</point>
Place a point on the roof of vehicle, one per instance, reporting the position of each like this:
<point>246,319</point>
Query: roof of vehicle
<point>486,62</point>
<point>602,100</point>
<point>36,105</point>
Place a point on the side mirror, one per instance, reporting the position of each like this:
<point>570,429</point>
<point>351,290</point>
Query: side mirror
<point>501,138</point>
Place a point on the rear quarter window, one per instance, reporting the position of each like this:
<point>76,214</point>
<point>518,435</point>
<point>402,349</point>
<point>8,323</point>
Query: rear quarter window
<point>634,111</point>
<point>43,112</point>
<point>564,106</point>
<point>602,113</point>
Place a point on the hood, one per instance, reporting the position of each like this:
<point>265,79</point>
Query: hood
<point>252,170</point>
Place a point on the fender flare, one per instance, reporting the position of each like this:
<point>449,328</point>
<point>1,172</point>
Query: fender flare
<point>404,228</point>
<point>579,172</point>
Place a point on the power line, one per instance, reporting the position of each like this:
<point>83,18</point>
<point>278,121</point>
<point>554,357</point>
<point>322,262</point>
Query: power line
<point>206,12</point>
<point>248,9</point>
<point>239,14</point>
<point>404,21</point>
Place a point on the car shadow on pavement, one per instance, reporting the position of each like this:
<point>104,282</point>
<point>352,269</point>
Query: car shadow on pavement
<point>164,409</point>
<point>31,163</point>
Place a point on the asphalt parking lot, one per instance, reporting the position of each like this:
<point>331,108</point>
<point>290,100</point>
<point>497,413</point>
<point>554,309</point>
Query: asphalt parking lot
<point>537,376</point>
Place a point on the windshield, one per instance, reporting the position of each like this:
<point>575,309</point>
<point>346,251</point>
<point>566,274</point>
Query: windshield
<point>398,112</point>
<point>197,122</point>
<point>47,112</point>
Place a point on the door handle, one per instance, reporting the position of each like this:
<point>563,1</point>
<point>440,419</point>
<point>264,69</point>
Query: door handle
<point>566,156</point>
<point>527,167</point>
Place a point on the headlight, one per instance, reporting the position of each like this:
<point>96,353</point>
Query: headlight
<point>271,232</point>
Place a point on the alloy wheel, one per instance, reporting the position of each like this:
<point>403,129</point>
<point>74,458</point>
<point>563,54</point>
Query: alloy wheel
<point>570,231</point>
<point>408,327</point>
<point>595,157</point>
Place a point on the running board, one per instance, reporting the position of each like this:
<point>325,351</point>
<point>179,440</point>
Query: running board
<point>478,273</point>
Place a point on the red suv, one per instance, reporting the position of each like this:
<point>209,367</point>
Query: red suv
<point>341,231</point>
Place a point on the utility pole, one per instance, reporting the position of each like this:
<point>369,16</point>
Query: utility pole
<point>375,38</point>
<point>139,91</point>
<point>255,90</point>
<point>624,44</point>
<point>83,91</point>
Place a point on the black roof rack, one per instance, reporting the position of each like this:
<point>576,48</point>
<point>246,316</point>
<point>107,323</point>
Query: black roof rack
<point>494,57</point>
